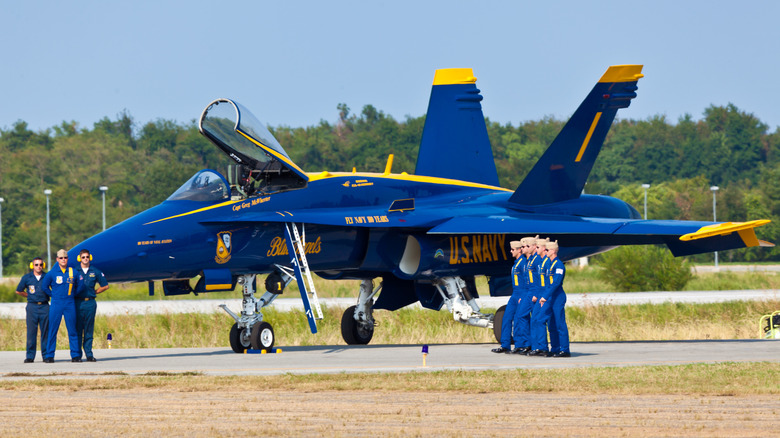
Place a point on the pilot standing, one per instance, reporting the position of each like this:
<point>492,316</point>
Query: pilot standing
<point>518,290</point>
<point>37,307</point>
<point>86,306</point>
<point>559,331</point>
<point>61,283</point>
<point>538,324</point>
<point>523,313</point>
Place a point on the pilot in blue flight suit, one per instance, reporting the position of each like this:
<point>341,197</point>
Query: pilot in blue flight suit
<point>518,290</point>
<point>559,330</point>
<point>538,321</point>
<point>86,306</point>
<point>37,307</point>
<point>526,304</point>
<point>61,283</point>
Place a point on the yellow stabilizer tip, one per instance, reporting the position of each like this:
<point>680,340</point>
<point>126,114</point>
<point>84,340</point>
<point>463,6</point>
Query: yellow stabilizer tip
<point>623,73</point>
<point>723,229</point>
<point>449,76</point>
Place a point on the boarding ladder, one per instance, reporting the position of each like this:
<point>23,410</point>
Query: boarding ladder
<point>296,245</point>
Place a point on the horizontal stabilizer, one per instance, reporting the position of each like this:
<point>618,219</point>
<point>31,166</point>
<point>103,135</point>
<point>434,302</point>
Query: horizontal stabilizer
<point>561,172</point>
<point>455,142</point>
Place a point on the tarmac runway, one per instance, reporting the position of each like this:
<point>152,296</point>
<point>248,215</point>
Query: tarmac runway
<point>383,358</point>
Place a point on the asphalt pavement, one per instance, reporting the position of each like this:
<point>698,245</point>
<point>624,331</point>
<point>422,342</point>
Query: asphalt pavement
<point>383,358</point>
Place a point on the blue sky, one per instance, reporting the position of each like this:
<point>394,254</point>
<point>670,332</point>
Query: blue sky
<point>292,62</point>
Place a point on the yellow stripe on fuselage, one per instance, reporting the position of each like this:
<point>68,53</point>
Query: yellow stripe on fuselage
<point>405,177</point>
<point>324,175</point>
<point>197,211</point>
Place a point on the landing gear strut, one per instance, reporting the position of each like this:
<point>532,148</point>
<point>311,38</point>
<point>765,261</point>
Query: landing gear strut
<point>250,331</point>
<point>462,303</point>
<point>357,323</point>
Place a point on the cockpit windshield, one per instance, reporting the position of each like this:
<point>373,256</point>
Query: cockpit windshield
<point>206,185</point>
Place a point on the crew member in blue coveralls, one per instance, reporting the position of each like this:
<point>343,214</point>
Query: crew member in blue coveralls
<point>508,330</point>
<point>559,331</point>
<point>86,306</point>
<point>523,312</point>
<point>538,324</point>
<point>37,307</point>
<point>552,274</point>
<point>61,283</point>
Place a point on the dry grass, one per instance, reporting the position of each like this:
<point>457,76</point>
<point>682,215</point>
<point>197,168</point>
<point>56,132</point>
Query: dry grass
<point>693,400</point>
<point>720,379</point>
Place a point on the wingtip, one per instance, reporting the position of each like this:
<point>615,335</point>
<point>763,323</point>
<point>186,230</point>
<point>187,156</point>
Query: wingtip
<point>449,76</point>
<point>623,73</point>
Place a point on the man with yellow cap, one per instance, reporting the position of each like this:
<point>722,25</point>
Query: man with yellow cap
<point>508,330</point>
<point>523,313</point>
<point>61,283</point>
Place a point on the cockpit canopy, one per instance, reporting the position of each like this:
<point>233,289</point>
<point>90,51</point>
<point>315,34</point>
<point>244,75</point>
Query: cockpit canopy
<point>265,166</point>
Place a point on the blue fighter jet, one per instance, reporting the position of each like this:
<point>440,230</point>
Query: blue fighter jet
<point>424,237</point>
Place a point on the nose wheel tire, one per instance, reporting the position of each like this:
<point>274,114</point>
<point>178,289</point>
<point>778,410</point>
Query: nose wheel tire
<point>239,339</point>
<point>354,332</point>
<point>262,336</point>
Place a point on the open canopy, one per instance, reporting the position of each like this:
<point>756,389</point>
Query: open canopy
<point>232,128</point>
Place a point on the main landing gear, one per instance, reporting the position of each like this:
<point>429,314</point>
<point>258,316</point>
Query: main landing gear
<point>357,323</point>
<point>462,303</point>
<point>250,331</point>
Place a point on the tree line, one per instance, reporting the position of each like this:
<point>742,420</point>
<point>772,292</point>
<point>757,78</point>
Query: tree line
<point>143,165</point>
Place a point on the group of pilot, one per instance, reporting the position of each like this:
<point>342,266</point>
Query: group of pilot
<point>71,289</point>
<point>537,302</point>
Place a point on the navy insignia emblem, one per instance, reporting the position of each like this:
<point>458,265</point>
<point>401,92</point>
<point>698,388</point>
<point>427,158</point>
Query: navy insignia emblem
<point>224,247</point>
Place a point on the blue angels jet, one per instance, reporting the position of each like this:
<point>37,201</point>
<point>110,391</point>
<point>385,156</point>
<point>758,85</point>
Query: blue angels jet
<point>423,237</point>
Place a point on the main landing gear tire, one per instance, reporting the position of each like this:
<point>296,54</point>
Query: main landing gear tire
<point>497,320</point>
<point>262,336</point>
<point>353,332</point>
<point>239,339</point>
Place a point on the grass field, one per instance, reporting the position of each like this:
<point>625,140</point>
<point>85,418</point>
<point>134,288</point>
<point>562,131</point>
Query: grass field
<point>732,320</point>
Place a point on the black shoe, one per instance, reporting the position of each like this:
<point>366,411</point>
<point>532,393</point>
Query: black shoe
<point>521,350</point>
<point>29,360</point>
<point>48,360</point>
<point>560,354</point>
<point>76,359</point>
<point>91,359</point>
<point>500,350</point>
<point>542,353</point>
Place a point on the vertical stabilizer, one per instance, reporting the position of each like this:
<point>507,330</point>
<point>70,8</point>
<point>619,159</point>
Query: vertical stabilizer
<point>561,173</point>
<point>454,141</point>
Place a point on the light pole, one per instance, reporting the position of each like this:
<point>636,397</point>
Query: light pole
<point>103,190</point>
<point>714,216</point>
<point>47,192</point>
<point>645,186</point>
<point>1,238</point>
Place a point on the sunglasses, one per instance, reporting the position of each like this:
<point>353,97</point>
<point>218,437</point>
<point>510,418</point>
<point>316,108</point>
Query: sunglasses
<point>37,264</point>
<point>63,257</point>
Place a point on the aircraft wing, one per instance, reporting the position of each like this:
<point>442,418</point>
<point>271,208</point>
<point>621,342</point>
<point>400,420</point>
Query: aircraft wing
<point>682,237</point>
